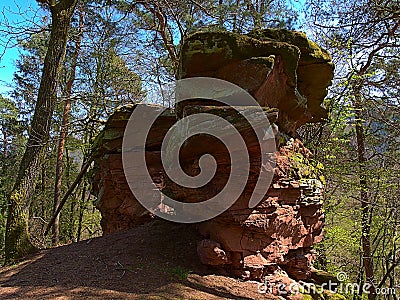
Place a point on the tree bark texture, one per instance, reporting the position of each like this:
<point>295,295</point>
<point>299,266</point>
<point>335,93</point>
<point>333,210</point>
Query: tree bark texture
<point>64,130</point>
<point>17,241</point>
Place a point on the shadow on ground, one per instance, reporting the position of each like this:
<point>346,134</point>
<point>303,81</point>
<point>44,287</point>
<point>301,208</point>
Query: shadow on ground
<point>154,261</point>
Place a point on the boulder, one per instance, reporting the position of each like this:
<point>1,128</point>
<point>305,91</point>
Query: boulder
<point>280,68</point>
<point>288,75</point>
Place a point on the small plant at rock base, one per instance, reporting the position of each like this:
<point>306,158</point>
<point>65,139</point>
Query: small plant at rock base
<point>178,272</point>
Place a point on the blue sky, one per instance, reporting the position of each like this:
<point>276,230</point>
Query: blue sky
<point>11,9</point>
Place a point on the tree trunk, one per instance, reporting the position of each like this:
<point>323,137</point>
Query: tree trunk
<point>5,140</point>
<point>78,179</point>
<point>43,194</point>
<point>360,278</point>
<point>364,199</point>
<point>63,132</point>
<point>59,170</point>
<point>71,218</point>
<point>81,210</point>
<point>17,241</point>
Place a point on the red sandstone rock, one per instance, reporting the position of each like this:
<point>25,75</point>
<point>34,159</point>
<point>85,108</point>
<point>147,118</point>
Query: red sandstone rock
<point>119,208</point>
<point>280,68</point>
<point>273,240</point>
<point>288,219</point>
<point>210,253</point>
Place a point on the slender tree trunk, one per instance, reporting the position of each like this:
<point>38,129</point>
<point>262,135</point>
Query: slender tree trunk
<point>63,131</point>
<point>364,199</point>
<point>71,218</point>
<point>235,17</point>
<point>17,241</point>
<point>5,140</point>
<point>360,279</point>
<point>59,170</point>
<point>43,194</point>
<point>255,14</point>
<point>81,210</point>
<point>162,29</point>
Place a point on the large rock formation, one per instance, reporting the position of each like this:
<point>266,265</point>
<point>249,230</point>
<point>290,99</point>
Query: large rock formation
<point>288,75</point>
<point>280,68</point>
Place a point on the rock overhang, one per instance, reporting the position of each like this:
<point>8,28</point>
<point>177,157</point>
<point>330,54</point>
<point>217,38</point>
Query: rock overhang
<point>280,68</point>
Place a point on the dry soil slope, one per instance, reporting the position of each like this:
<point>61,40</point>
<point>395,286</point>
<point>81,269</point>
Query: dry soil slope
<point>154,261</point>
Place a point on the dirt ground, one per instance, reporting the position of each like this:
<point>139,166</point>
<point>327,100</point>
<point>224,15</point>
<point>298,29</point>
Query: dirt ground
<point>154,261</point>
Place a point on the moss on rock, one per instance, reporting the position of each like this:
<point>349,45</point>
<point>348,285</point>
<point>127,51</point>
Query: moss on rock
<point>310,51</point>
<point>280,66</point>
<point>205,52</point>
<point>317,293</point>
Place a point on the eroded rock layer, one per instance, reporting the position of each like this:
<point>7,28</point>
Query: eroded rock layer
<point>119,208</point>
<point>288,75</point>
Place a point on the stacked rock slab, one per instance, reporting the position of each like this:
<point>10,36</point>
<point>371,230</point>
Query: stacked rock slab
<point>284,70</point>
<point>119,208</point>
<point>288,75</point>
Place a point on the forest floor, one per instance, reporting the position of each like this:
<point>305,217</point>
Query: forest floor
<point>154,261</point>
